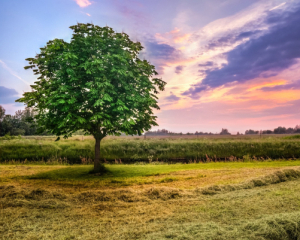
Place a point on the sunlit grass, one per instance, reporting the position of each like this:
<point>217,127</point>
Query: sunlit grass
<point>149,202</point>
<point>121,175</point>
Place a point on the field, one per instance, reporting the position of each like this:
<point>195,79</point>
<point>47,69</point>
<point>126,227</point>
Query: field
<point>237,200</point>
<point>170,149</point>
<point>230,192</point>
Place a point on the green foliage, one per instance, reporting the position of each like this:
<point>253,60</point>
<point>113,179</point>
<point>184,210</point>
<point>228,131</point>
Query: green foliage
<point>292,137</point>
<point>9,137</point>
<point>18,124</point>
<point>96,83</point>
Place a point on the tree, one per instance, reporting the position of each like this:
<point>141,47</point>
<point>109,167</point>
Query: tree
<point>224,132</point>
<point>2,112</point>
<point>97,83</point>
<point>250,131</point>
<point>267,132</point>
<point>280,130</point>
<point>17,124</point>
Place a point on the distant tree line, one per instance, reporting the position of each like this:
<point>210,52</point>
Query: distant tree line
<point>279,130</point>
<point>162,132</point>
<point>224,131</point>
<point>18,124</point>
<point>21,124</point>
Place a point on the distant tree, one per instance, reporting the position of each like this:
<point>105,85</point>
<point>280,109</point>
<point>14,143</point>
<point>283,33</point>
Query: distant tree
<point>280,130</point>
<point>17,124</point>
<point>158,132</point>
<point>250,131</point>
<point>224,132</point>
<point>96,83</point>
<point>2,112</point>
<point>267,132</point>
<point>2,115</point>
<point>297,131</point>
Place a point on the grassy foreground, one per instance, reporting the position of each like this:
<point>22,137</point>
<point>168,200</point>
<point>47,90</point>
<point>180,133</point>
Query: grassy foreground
<point>255,200</point>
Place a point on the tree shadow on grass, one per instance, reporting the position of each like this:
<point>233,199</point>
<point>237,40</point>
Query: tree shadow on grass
<point>83,173</point>
<point>70,173</point>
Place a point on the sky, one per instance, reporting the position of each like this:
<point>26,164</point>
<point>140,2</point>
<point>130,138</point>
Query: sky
<point>227,63</point>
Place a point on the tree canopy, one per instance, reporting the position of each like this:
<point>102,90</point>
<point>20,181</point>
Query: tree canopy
<point>95,82</point>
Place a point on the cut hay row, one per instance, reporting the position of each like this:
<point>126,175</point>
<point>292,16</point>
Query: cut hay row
<point>11,196</point>
<point>262,208</point>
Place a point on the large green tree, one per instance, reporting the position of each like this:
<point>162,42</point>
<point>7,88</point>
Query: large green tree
<point>95,82</point>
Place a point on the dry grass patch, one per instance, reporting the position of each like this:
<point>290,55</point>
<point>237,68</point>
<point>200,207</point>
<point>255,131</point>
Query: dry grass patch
<point>250,203</point>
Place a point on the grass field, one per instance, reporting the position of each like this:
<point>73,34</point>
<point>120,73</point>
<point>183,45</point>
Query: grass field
<point>236,200</point>
<point>168,149</point>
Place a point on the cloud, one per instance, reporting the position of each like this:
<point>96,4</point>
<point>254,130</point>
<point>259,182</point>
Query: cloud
<point>132,13</point>
<point>226,30</point>
<point>88,14</point>
<point>194,92</point>
<point>172,97</point>
<point>12,72</point>
<point>83,3</point>
<point>161,51</point>
<point>279,6</point>
<point>264,56</point>
<point>179,69</point>
<point>232,39</point>
<point>290,86</point>
<point>161,54</point>
<point>175,36</point>
<point>8,95</point>
<point>207,64</point>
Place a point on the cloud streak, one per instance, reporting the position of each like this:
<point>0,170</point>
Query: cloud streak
<point>172,97</point>
<point>83,3</point>
<point>279,6</point>
<point>12,72</point>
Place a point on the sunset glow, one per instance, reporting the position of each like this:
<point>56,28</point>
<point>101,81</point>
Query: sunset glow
<point>230,65</point>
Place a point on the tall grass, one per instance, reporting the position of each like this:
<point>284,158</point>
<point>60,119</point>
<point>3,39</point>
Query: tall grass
<point>133,149</point>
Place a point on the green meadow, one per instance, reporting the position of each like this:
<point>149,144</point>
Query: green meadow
<point>232,200</point>
<point>79,149</point>
<point>241,197</point>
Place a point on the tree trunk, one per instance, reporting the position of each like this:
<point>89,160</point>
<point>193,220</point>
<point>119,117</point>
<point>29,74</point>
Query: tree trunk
<point>98,166</point>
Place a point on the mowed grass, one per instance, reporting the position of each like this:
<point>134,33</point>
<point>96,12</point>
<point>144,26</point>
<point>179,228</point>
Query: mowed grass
<point>253,200</point>
<point>181,175</point>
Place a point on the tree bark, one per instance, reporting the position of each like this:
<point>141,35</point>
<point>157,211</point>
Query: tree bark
<point>98,166</point>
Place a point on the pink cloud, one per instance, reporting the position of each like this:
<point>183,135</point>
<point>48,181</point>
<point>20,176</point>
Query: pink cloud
<point>235,116</point>
<point>133,12</point>
<point>174,36</point>
<point>83,3</point>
